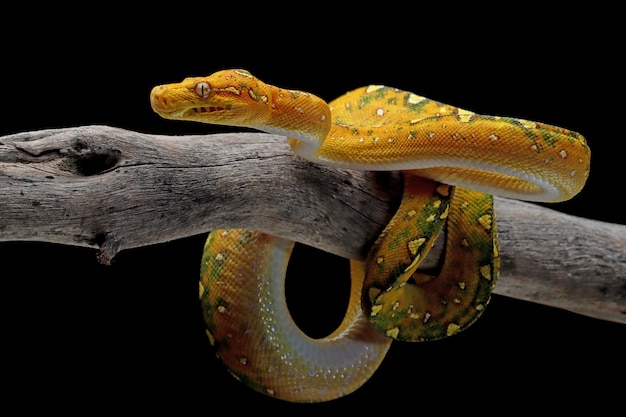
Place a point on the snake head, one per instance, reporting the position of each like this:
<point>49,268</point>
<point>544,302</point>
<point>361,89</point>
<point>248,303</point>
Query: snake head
<point>229,97</point>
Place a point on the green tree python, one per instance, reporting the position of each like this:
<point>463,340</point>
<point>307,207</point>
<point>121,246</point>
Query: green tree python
<point>452,161</point>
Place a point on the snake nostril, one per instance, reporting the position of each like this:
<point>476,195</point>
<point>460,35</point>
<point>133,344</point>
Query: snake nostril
<point>158,102</point>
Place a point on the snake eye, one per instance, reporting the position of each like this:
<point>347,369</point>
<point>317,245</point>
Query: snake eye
<point>203,89</point>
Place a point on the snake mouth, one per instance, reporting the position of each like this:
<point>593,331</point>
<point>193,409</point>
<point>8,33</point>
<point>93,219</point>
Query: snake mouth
<point>199,111</point>
<point>203,109</point>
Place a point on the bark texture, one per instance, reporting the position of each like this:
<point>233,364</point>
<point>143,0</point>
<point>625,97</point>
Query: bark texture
<point>114,189</point>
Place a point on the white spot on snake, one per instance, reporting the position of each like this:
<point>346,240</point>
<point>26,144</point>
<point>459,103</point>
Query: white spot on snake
<point>414,99</point>
<point>376,309</point>
<point>243,73</point>
<point>211,338</point>
<point>221,309</point>
<point>485,221</point>
<point>414,245</point>
<point>444,215</point>
<point>299,110</point>
<point>243,361</point>
<point>431,135</point>
<point>426,317</point>
<point>464,116</point>
<point>528,124</point>
<point>572,173</point>
<point>534,147</point>
<point>493,137</point>
<point>380,112</point>
<point>485,271</point>
<point>563,153</point>
<point>253,95</point>
<point>230,89</point>
<point>372,88</point>
<point>452,329</point>
<point>393,333</point>
<point>413,263</point>
<point>219,257</point>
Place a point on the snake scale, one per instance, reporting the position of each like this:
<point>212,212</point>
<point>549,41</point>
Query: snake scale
<point>452,161</point>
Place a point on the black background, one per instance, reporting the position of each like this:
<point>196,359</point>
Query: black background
<point>79,335</point>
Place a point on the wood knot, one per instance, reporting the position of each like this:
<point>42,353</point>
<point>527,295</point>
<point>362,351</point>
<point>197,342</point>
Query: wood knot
<point>90,163</point>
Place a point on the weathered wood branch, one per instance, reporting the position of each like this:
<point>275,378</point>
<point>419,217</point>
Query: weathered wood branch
<point>114,189</point>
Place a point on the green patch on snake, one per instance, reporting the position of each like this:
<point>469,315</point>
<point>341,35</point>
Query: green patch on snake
<point>403,322</point>
<point>547,138</point>
<point>418,324</point>
<point>394,278</point>
<point>418,107</point>
<point>529,133</point>
<point>366,99</point>
<point>210,269</point>
<point>393,101</point>
<point>210,309</point>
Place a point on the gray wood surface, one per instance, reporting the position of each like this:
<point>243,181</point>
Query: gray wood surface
<point>114,189</point>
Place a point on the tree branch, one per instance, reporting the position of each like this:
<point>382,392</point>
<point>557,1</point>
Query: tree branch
<point>115,189</point>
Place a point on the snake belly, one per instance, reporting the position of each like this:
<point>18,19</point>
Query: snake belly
<point>452,161</point>
<point>242,292</point>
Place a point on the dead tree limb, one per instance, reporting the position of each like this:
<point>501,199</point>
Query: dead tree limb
<point>114,189</point>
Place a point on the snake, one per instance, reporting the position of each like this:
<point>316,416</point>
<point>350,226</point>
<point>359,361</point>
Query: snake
<point>452,162</point>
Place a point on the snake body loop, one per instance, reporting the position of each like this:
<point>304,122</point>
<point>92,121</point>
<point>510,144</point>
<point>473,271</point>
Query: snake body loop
<point>243,298</point>
<point>452,161</point>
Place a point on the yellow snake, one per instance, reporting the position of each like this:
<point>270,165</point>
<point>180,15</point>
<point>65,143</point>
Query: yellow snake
<point>452,161</point>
